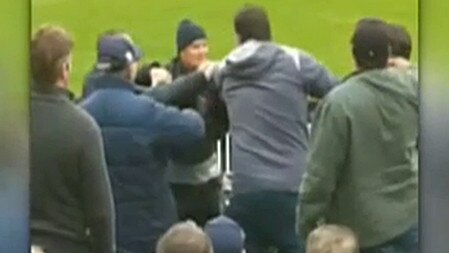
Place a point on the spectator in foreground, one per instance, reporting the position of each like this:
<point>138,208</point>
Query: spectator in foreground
<point>185,237</point>
<point>332,239</point>
<point>70,195</point>
<point>226,235</point>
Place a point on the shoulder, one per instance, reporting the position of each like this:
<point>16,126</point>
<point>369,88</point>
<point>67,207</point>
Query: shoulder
<point>343,94</point>
<point>84,119</point>
<point>244,51</point>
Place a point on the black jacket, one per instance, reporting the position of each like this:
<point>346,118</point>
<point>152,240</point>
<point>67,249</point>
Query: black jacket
<point>192,90</point>
<point>69,191</point>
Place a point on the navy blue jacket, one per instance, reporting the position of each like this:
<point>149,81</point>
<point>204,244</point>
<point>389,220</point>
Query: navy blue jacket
<point>139,136</point>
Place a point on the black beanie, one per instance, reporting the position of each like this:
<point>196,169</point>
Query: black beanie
<point>187,33</point>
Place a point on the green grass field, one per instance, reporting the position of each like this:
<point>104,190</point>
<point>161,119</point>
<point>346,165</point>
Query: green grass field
<point>323,27</point>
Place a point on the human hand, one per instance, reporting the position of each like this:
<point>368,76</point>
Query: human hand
<point>160,76</point>
<point>208,68</point>
<point>398,62</point>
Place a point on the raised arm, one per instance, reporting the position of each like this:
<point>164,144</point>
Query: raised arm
<point>181,90</point>
<point>317,79</point>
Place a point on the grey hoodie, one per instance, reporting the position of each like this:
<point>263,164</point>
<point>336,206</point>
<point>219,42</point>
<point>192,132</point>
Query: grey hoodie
<point>265,87</point>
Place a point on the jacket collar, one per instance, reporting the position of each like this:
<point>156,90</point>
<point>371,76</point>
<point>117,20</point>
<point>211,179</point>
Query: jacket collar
<point>177,69</point>
<point>52,91</point>
<point>114,82</point>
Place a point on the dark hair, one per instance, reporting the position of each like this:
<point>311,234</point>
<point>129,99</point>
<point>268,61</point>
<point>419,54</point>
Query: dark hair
<point>49,48</point>
<point>401,42</point>
<point>252,22</point>
<point>370,44</point>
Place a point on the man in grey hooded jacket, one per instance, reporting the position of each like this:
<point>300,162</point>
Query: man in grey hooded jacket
<point>265,87</point>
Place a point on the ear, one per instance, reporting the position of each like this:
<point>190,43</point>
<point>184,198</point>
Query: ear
<point>66,69</point>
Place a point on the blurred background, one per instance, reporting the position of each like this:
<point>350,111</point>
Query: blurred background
<point>322,27</point>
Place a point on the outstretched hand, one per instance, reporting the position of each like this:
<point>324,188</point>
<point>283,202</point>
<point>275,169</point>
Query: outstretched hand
<point>208,68</point>
<point>160,76</point>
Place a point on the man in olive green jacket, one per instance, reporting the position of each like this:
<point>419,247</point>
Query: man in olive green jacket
<point>362,167</point>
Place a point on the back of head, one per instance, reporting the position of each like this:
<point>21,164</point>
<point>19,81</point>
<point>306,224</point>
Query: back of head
<point>252,22</point>
<point>226,235</point>
<point>110,32</point>
<point>370,44</point>
<point>51,47</point>
<point>184,237</point>
<point>332,239</point>
<point>401,42</point>
<point>117,54</point>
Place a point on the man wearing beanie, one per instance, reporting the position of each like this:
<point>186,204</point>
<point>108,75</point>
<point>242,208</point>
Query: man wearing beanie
<point>226,235</point>
<point>362,168</point>
<point>195,175</point>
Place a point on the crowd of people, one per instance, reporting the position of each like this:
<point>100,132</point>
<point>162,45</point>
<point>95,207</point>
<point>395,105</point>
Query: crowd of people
<point>131,165</point>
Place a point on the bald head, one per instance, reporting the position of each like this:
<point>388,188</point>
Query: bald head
<point>185,237</point>
<point>332,239</point>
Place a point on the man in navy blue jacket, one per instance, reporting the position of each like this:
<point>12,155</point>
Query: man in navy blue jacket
<point>139,135</point>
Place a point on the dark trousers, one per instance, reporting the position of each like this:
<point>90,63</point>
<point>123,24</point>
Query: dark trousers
<point>407,242</point>
<point>198,202</point>
<point>268,219</point>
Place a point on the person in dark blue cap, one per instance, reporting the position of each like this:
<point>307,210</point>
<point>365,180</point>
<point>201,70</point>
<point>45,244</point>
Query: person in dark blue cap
<point>139,136</point>
<point>90,82</point>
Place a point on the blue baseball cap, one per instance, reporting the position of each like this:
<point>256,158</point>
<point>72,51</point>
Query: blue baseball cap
<point>226,235</point>
<point>117,52</point>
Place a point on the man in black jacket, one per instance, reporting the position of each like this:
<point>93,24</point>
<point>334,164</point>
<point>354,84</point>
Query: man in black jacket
<point>195,175</point>
<point>70,195</point>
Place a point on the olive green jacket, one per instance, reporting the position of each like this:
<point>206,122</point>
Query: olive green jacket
<point>363,162</point>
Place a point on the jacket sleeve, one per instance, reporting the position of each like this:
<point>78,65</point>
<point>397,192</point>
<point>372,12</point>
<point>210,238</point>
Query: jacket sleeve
<point>326,158</point>
<point>178,129</point>
<point>96,191</point>
<point>180,91</point>
<point>317,79</point>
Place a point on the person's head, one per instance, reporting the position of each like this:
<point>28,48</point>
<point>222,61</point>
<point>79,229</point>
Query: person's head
<point>107,33</point>
<point>332,239</point>
<point>51,50</point>
<point>401,42</point>
<point>226,235</point>
<point>118,55</point>
<point>370,44</point>
<point>191,42</point>
<point>252,23</point>
<point>184,237</point>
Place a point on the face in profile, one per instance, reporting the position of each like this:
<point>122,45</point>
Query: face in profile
<point>66,69</point>
<point>194,54</point>
<point>133,68</point>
